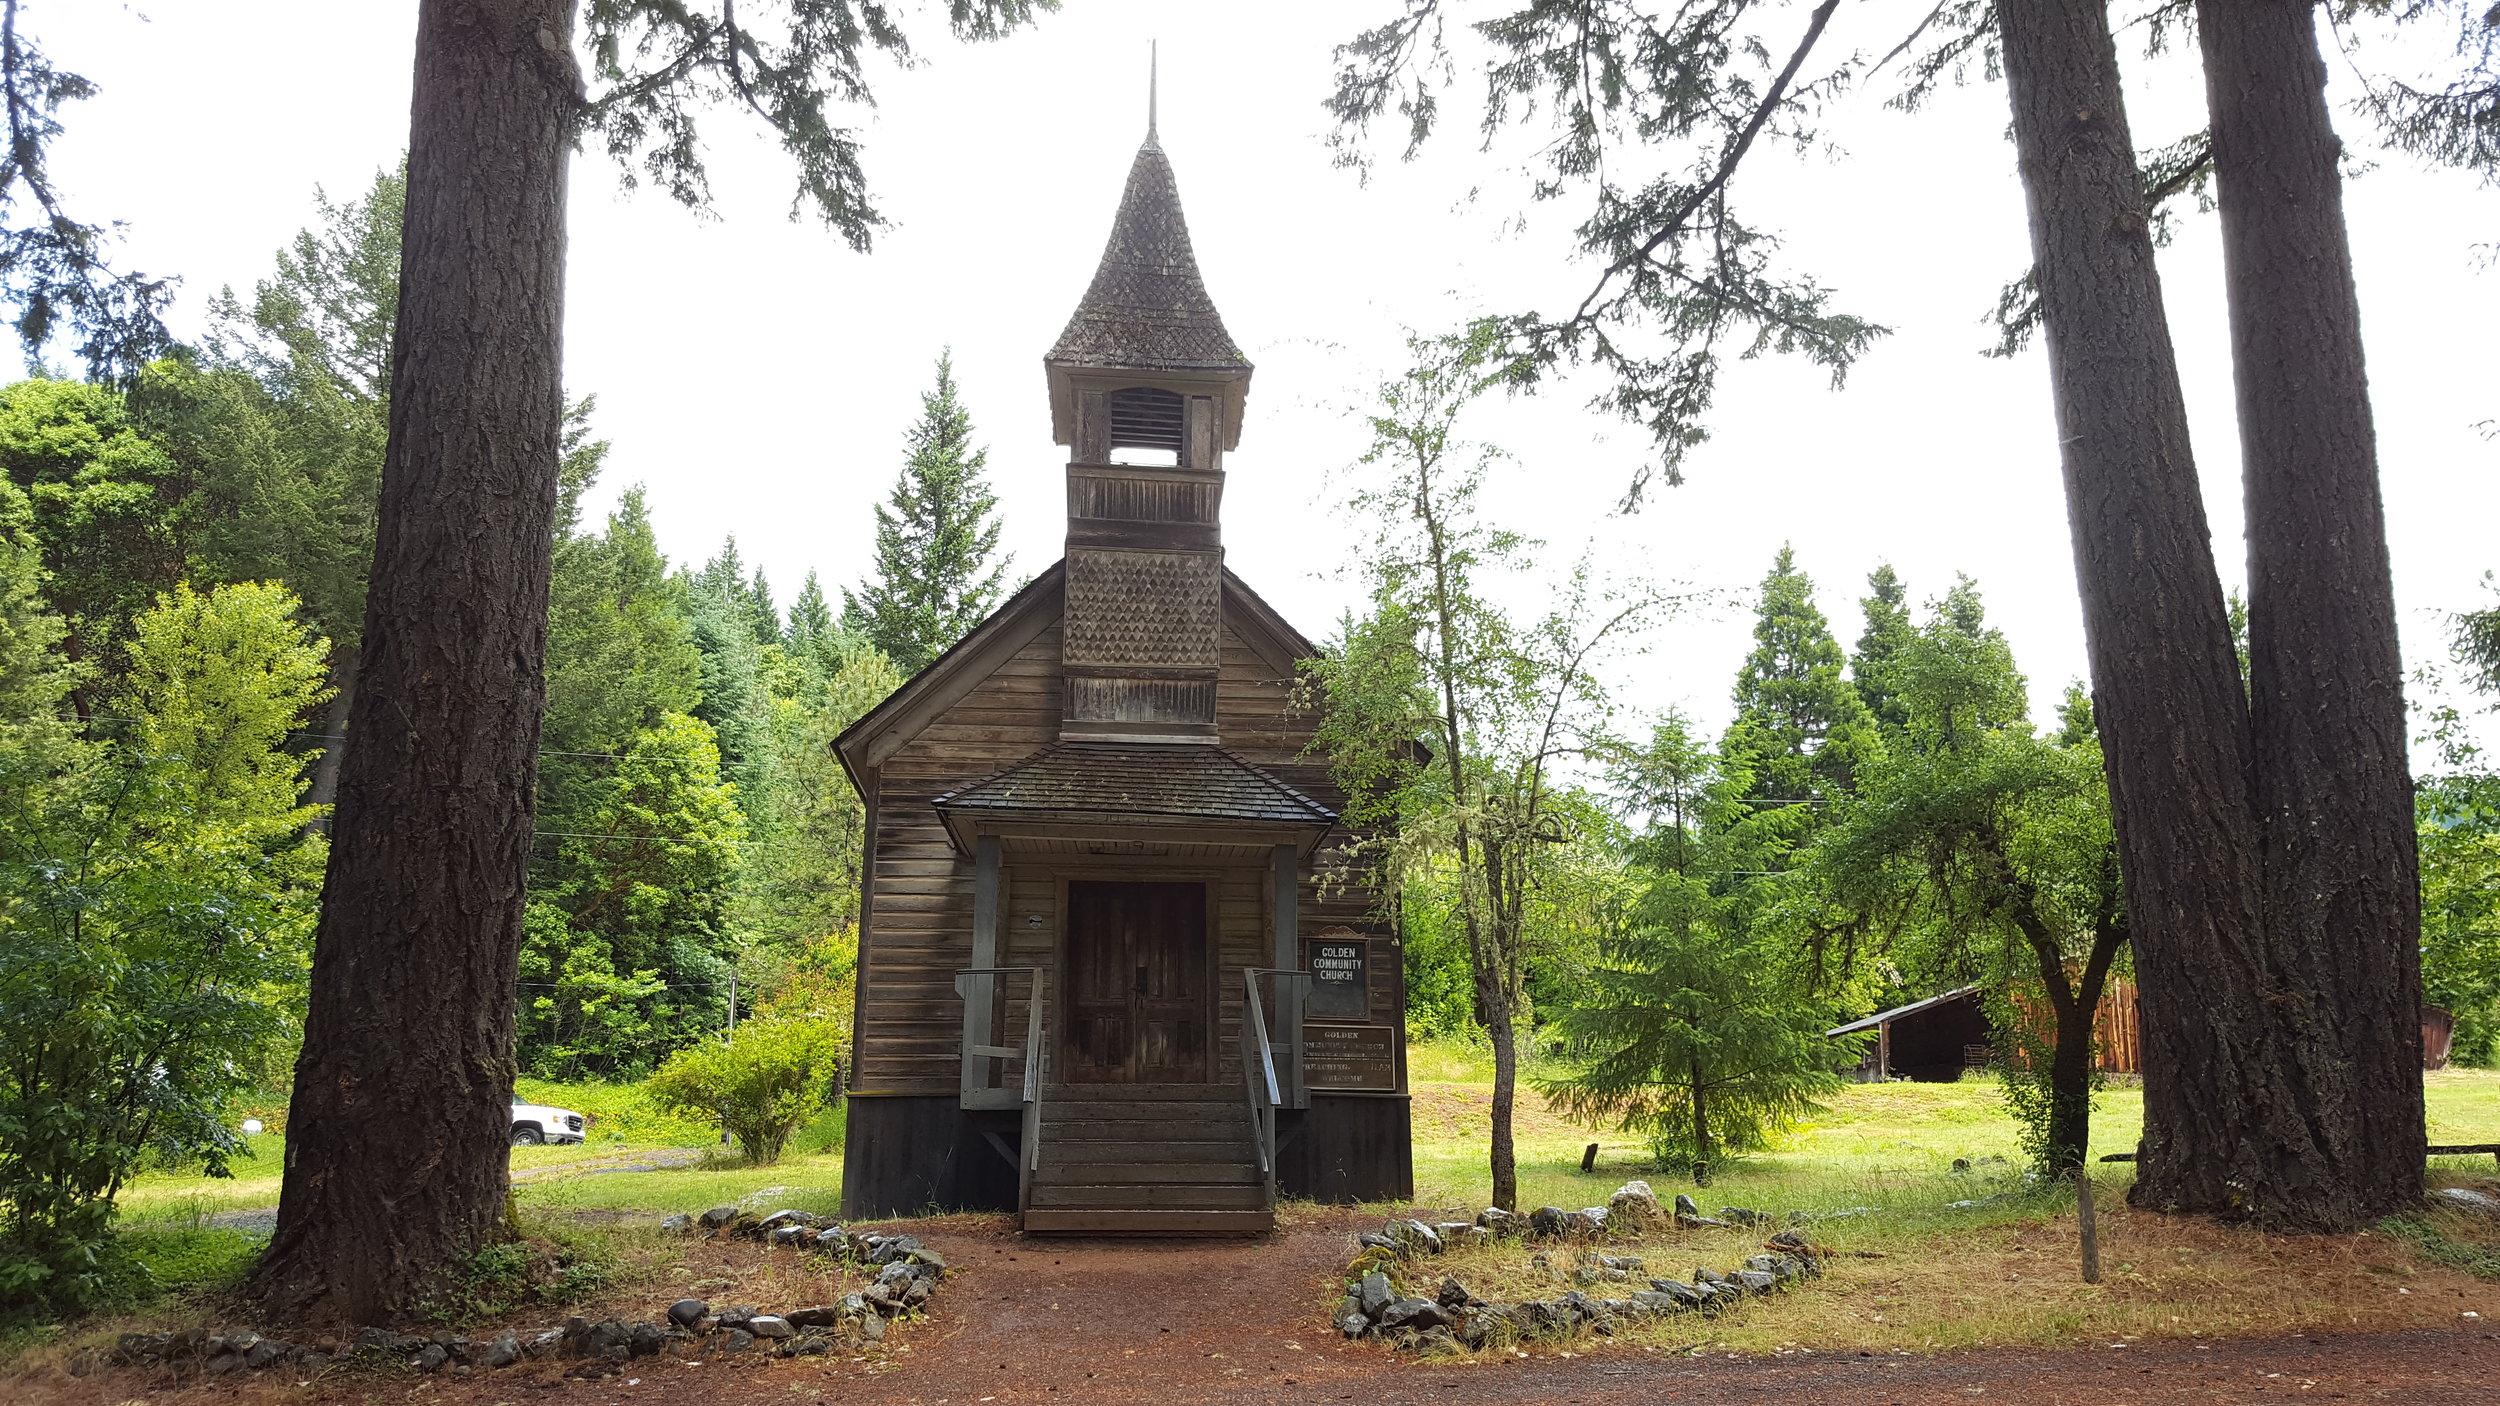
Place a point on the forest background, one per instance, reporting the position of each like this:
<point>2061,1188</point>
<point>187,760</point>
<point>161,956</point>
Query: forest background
<point>694,832</point>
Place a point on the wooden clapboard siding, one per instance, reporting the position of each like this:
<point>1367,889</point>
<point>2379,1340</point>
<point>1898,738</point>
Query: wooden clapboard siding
<point>918,913</point>
<point>918,930</point>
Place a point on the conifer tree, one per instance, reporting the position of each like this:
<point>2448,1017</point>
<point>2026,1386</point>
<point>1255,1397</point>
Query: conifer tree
<point>935,538</point>
<point>810,625</point>
<point>1876,666</point>
<point>1801,729</point>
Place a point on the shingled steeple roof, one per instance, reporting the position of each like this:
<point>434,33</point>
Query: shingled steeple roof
<point>1148,309</point>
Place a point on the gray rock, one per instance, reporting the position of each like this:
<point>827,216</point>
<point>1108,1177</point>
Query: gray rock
<point>1435,1340</point>
<point>685,1313</point>
<point>1684,1205</point>
<point>1685,1295</point>
<point>1413,1237</point>
<point>820,1317</point>
<point>736,1315</point>
<point>679,1224</point>
<point>833,1240</point>
<point>1700,1221</point>
<point>739,1340</point>
<point>1624,1262</point>
<point>1597,1218</point>
<point>872,1329</point>
<point>225,1362</point>
<point>1476,1326</point>
<point>1635,1206</point>
<point>1374,1240</point>
<point>787,1236</point>
<point>1536,1318</point>
<point>1546,1221</point>
<point>903,1273</point>
<point>545,1343</point>
<point>917,1293</point>
<point>647,1339</point>
<point>1496,1221</point>
<point>851,1306</point>
<point>778,1219</point>
<point>1454,1232</point>
<point>430,1358</point>
<point>807,1345</point>
<point>1754,1281</point>
<point>1351,1322</point>
<point>1652,1302</point>
<point>265,1353</point>
<point>1376,1293</point>
<point>502,1350</point>
<point>2458,1198</point>
<point>1413,1313</point>
<point>312,1362</point>
<point>1738,1215</point>
<point>718,1216</point>
<point>1453,1294</point>
<point>769,1325</point>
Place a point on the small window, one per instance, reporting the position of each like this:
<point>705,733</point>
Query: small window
<point>1146,426</point>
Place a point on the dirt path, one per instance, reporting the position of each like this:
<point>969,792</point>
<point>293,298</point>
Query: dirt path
<point>1171,1323</point>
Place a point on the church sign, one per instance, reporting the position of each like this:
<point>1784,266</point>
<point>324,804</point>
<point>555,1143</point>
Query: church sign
<point>1351,1056</point>
<point>1340,978</point>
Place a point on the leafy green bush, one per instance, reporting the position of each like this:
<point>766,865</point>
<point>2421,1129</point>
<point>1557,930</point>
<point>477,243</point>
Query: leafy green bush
<point>763,1085</point>
<point>626,1113</point>
<point>156,890</point>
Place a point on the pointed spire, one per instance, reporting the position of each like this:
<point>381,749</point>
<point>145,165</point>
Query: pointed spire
<point>1147,308</point>
<point>1154,63</point>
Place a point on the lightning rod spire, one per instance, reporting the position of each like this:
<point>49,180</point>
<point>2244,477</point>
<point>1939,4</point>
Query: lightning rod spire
<point>1153,81</point>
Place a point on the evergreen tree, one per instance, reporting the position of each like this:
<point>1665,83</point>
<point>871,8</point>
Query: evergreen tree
<point>1876,666</point>
<point>935,537</point>
<point>1801,730</point>
<point>810,626</point>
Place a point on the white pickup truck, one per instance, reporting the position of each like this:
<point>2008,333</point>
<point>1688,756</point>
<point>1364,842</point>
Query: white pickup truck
<point>534,1123</point>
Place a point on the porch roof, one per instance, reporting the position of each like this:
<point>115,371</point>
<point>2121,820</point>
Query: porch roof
<point>1159,780</point>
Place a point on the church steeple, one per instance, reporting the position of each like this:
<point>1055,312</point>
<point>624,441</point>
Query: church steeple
<point>1146,390</point>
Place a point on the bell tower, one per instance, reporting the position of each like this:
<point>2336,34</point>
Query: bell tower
<point>1146,390</point>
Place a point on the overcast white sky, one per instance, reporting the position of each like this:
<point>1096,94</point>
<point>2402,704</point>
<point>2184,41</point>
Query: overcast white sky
<point>756,376</point>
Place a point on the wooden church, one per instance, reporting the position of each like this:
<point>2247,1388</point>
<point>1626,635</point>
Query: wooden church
<point>1117,973</point>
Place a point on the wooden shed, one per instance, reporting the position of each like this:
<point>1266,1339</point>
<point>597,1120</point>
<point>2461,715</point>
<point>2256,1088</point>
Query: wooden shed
<point>1934,1040</point>
<point>1116,970</point>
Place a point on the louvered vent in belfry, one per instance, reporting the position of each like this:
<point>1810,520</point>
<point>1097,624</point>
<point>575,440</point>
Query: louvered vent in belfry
<point>1145,418</point>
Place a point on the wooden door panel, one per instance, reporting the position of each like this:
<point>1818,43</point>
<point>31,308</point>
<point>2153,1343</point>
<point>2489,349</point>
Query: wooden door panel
<point>1136,984</point>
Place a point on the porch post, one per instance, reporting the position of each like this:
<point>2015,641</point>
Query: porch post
<point>1288,905</point>
<point>978,999</point>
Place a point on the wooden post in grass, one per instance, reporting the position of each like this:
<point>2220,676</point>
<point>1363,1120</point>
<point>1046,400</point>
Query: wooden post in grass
<point>2091,1233</point>
<point>1588,1159</point>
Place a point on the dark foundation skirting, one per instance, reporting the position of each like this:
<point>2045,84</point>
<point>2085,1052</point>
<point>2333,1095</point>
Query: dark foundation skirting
<point>907,1154</point>
<point>1351,1147</point>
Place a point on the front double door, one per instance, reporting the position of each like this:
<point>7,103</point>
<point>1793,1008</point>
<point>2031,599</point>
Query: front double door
<point>1136,983</point>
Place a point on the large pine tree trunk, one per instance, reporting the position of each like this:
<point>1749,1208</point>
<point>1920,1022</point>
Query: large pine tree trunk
<point>2166,685</point>
<point>399,1126</point>
<point>2331,787</point>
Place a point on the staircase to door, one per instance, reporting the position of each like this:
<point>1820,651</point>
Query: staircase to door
<point>1147,1159</point>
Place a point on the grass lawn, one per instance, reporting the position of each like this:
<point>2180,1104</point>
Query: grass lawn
<point>1917,1272</point>
<point>1913,1272</point>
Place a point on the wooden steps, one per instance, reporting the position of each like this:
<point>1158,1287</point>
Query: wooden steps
<point>1147,1159</point>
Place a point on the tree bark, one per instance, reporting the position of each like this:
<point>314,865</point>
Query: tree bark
<point>2166,685</point>
<point>325,778</point>
<point>399,1125</point>
<point>2331,785</point>
<point>1701,1126</point>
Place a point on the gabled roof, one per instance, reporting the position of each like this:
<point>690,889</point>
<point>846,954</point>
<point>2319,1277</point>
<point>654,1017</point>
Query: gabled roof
<point>1139,779</point>
<point>926,695</point>
<point>1147,308</point>
<point>1913,1008</point>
